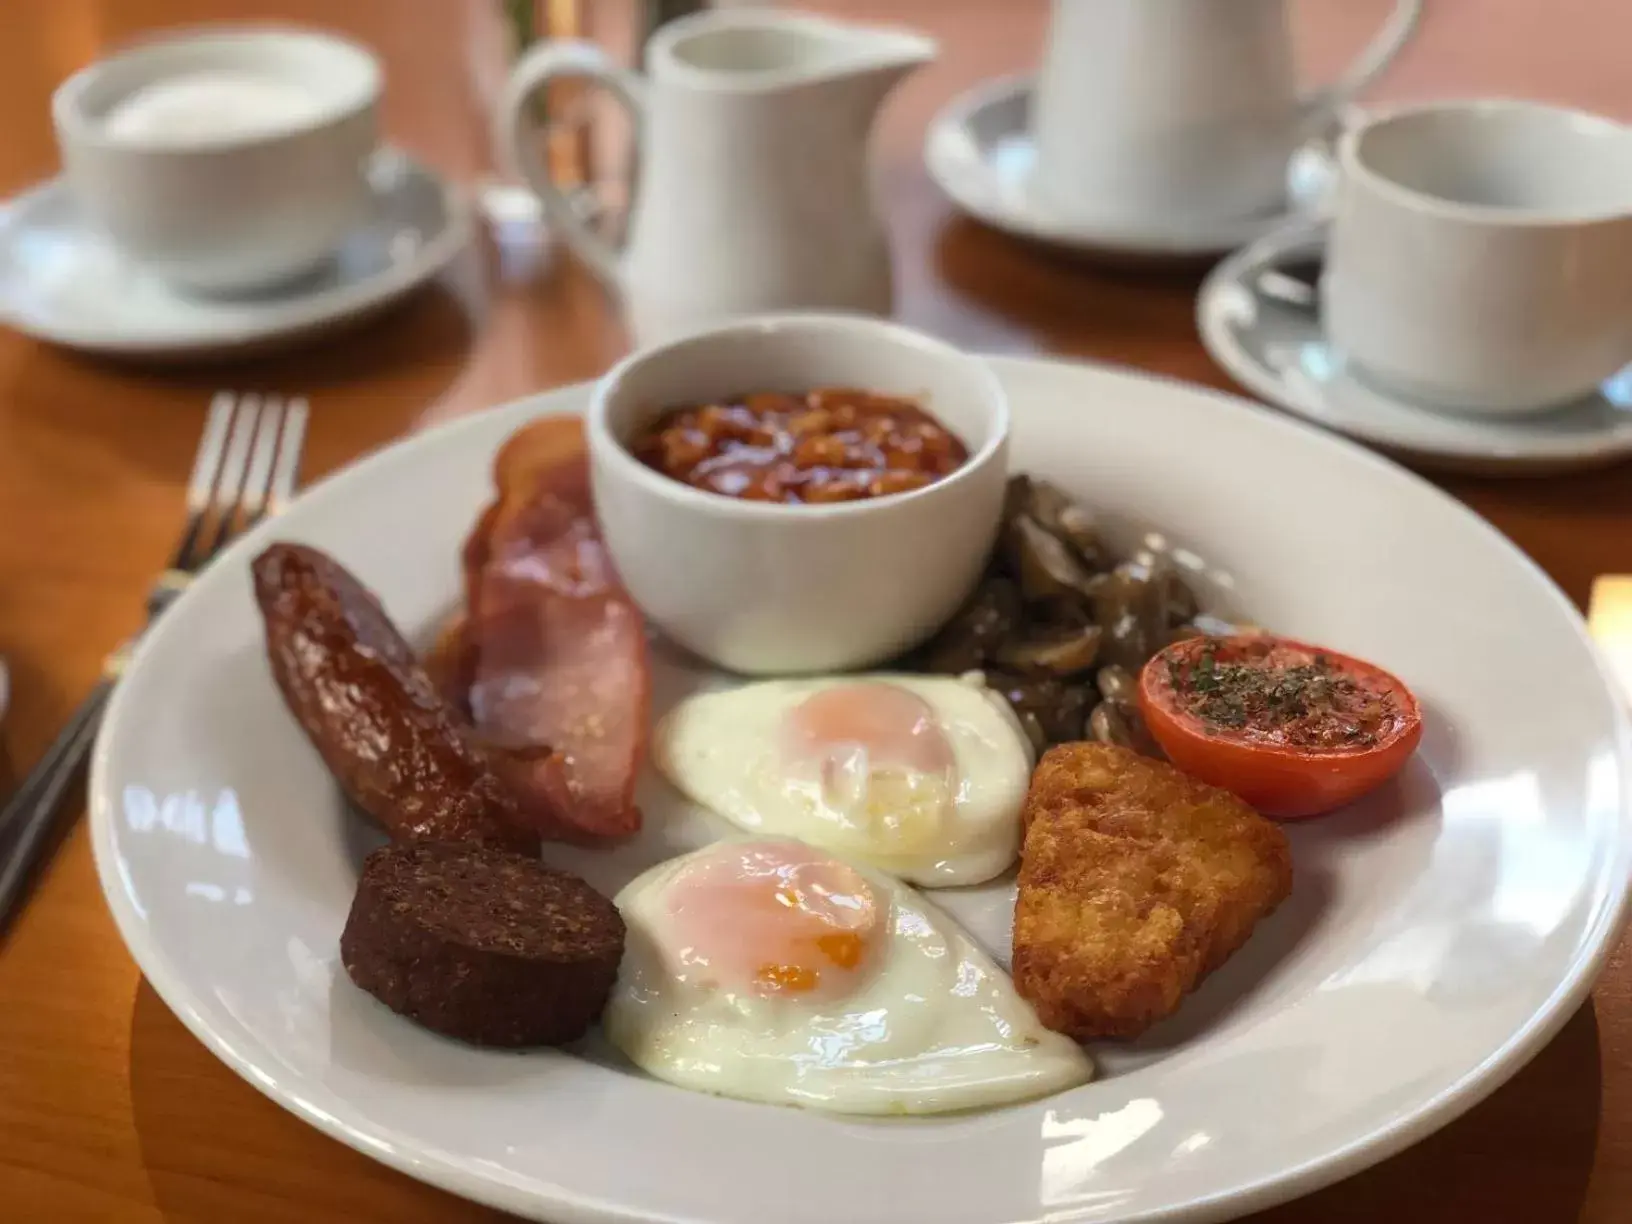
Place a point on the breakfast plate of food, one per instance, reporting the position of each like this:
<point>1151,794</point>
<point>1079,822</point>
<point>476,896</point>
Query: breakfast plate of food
<point>815,774</point>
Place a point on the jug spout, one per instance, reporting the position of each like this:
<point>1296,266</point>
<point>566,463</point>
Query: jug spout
<point>759,50</point>
<point>886,53</point>
<point>862,64</point>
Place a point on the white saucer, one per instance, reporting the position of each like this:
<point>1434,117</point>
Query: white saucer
<point>62,281</point>
<point>1280,353</point>
<point>979,150</point>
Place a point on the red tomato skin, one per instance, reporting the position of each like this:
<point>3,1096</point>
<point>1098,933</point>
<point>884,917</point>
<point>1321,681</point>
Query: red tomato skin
<point>1284,782</point>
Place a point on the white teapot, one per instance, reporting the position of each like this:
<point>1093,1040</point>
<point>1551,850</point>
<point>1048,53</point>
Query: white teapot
<point>752,185</point>
<point>1176,111</point>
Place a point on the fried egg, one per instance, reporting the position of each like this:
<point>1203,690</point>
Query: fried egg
<point>768,970</point>
<point>920,776</point>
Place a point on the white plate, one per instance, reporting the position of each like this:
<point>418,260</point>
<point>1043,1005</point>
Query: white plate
<point>979,150</point>
<point>63,281</point>
<point>1437,936</point>
<point>1281,353</point>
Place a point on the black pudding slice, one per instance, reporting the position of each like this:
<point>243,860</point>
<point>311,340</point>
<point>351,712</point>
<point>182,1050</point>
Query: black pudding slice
<point>482,944</point>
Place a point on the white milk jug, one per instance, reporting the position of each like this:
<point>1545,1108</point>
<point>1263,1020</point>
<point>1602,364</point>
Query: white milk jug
<point>752,187</point>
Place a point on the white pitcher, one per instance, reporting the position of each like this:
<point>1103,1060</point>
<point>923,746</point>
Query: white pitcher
<point>1153,111</point>
<point>752,184</point>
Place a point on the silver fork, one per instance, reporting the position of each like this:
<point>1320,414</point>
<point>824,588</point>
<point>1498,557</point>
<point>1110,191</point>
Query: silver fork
<point>247,463</point>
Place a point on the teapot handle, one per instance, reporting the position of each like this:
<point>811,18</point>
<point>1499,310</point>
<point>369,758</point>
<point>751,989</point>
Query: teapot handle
<point>519,135</point>
<point>1322,106</point>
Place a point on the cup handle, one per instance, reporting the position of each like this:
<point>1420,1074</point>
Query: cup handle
<point>1312,173</point>
<point>519,135</point>
<point>1322,106</point>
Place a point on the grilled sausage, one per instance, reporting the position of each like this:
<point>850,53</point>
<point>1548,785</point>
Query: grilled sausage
<point>364,700</point>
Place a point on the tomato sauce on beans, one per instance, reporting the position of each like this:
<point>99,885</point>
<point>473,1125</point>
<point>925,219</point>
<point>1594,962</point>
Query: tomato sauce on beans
<point>833,444</point>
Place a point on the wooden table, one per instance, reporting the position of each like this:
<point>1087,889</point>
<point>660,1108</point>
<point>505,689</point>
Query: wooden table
<point>109,1110</point>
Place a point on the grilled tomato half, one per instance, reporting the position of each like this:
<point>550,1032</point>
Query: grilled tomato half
<point>1293,729</point>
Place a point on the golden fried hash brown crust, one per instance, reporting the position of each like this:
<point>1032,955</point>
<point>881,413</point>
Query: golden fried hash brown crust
<point>1136,881</point>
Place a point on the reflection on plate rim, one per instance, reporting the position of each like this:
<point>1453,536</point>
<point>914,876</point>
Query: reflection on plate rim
<point>439,1169</point>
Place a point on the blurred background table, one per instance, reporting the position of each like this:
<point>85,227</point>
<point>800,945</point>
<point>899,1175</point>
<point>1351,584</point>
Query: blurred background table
<point>109,1110</point>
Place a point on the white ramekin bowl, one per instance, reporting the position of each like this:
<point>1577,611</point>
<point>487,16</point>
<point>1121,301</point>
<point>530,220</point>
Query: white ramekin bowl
<point>768,588</point>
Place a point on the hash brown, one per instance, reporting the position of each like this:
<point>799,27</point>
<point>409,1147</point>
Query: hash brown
<point>1136,881</point>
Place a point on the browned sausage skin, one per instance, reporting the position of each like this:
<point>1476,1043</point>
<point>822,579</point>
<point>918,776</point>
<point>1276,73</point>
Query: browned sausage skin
<point>354,684</point>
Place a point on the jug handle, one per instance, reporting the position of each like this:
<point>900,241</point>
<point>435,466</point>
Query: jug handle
<point>519,135</point>
<point>1322,107</point>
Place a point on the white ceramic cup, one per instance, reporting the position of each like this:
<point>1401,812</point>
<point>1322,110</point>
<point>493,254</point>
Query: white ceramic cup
<point>230,213</point>
<point>761,587</point>
<point>1480,257</point>
<point>1154,112</point>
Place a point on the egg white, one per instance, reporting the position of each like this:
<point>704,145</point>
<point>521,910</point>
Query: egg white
<point>721,750</point>
<point>934,1026</point>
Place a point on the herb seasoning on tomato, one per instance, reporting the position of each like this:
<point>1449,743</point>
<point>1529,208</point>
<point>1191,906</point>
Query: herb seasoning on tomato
<point>1282,694</point>
<point>1293,729</point>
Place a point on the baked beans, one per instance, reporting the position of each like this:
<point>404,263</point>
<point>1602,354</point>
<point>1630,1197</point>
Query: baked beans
<point>834,444</point>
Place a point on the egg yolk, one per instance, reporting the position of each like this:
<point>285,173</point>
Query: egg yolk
<point>771,919</point>
<point>880,758</point>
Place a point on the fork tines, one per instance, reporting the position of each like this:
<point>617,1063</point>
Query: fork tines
<point>248,461</point>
